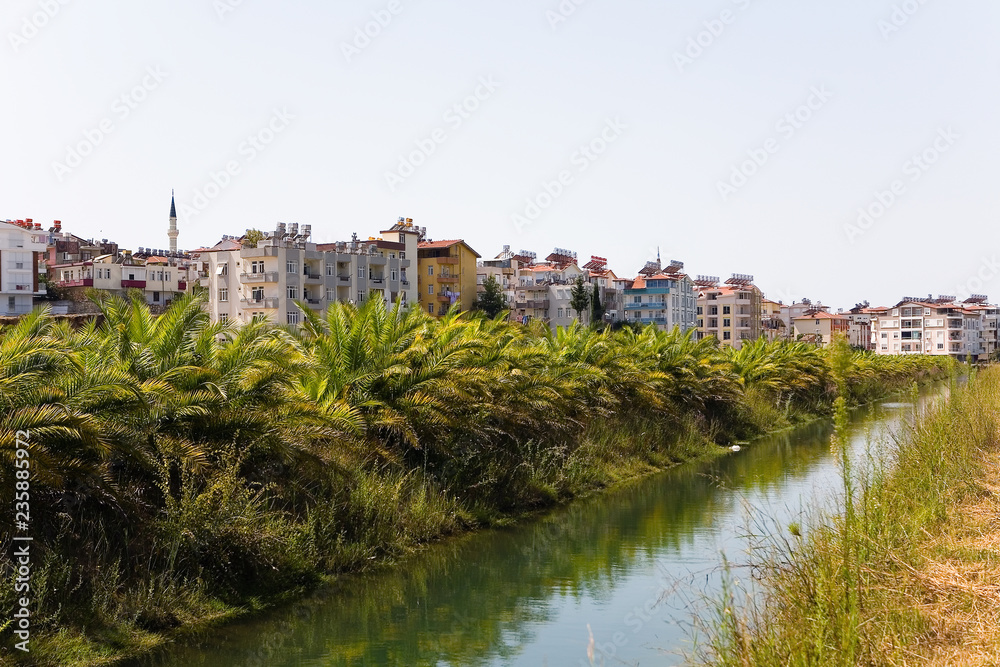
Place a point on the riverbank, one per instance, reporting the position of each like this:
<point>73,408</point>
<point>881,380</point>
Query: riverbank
<point>186,474</point>
<point>906,574</point>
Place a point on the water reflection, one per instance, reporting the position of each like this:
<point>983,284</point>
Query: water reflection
<point>526,595</point>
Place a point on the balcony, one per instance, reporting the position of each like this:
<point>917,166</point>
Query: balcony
<point>265,277</point>
<point>83,282</point>
<point>404,282</point>
<point>446,278</point>
<point>343,279</point>
<point>313,302</point>
<point>532,304</point>
<point>267,303</point>
<point>133,284</point>
<point>447,297</point>
<point>182,285</point>
<point>312,276</point>
<point>377,281</point>
<point>446,260</point>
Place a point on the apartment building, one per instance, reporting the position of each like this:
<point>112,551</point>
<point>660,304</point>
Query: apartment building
<point>505,269</point>
<point>22,243</point>
<point>160,279</point>
<point>938,326</point>
<point>859,333</point>
<point>446,275</point>
<point>729,312</point>
<point>665,297</point>
<point>268,279</point>
<point>820,327</point>
<point>772,324</point>
<point>610,287</point>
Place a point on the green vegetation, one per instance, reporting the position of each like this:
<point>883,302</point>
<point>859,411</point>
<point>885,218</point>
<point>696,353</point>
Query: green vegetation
<point>185,471</point>
<point>905,572</point>
<point>491,300</point>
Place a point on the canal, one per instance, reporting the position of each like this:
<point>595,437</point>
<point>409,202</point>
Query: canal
<point>635,564</point>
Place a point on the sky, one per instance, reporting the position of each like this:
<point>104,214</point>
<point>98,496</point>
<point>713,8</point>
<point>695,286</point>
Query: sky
<point>840,151</point>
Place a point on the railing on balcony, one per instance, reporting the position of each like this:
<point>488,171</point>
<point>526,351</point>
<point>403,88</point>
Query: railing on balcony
<point>312,276</point>
<point>264,277</point>
<point>446,260</point>
<point>182,285</point>
<point>269,302</point>
<point>447,278</point>
<point>377,281</point>
<point>137,284</point>
<point>344,279</point>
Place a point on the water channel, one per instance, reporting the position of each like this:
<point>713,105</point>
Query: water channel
<point>635,564</point>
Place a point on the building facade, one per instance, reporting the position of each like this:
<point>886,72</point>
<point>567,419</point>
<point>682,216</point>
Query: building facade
<point>821,327</point>
<point>285,268</point>
<point>939,326</point>
<point>22,243</point>
<point>666,298</point>
<point>729,312</point>
<point>446,275</point>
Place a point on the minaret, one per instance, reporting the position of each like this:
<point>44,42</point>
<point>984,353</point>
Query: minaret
<point>172,231</point>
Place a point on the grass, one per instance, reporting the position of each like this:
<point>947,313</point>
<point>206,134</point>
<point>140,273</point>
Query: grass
<point>904,572</point>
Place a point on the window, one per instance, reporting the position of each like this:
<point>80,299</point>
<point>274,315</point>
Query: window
<point>430,270</point>
<point>330,269</point>
<point>167,274</point>
<point>402,255</point>
<point>11,303</point>
<point>560,313</point>
<point>713,310</point>
<point>361,272</point>
<point>726,310</point>
<point>293,317</point>
<point>430,308</point>
<point>885,335</point>
<point>257,266</point>
<point>222,269</point>
<point>329,294</point>
<point>394,274</point>
<point>637,299</point>
<point>293,292</point>
<point>156,297</point>
<point>700,310</point>
<point>291,266</point>
<point>725,335</point>
<point>701,323</point>
<point>726,322</point>
<point>430,289</point>
<point>713,323</point>
<point>223,318</point>
<point>361,296</point>
<point>257,293</point>
<point>223,294</point>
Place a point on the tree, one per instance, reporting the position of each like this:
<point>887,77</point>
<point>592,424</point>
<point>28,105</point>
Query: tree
<point>491,300</point>
<point>252,237</point>
<point>596,307</point>
<point>579,299</point>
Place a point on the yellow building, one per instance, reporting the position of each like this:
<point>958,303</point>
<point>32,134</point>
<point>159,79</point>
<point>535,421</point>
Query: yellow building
<point>447,275</point>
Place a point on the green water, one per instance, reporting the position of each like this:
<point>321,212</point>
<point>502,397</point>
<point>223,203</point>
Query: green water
<point>635,564</point>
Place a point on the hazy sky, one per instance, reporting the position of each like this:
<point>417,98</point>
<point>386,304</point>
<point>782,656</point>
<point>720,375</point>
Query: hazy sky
<point>736,135</point>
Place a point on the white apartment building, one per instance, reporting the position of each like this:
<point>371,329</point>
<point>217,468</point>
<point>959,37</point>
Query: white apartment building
<point>731,312</point>
<point>935,326</point>
<point>21,244</point>
<point>286,267</point>
<point>159,278</point>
